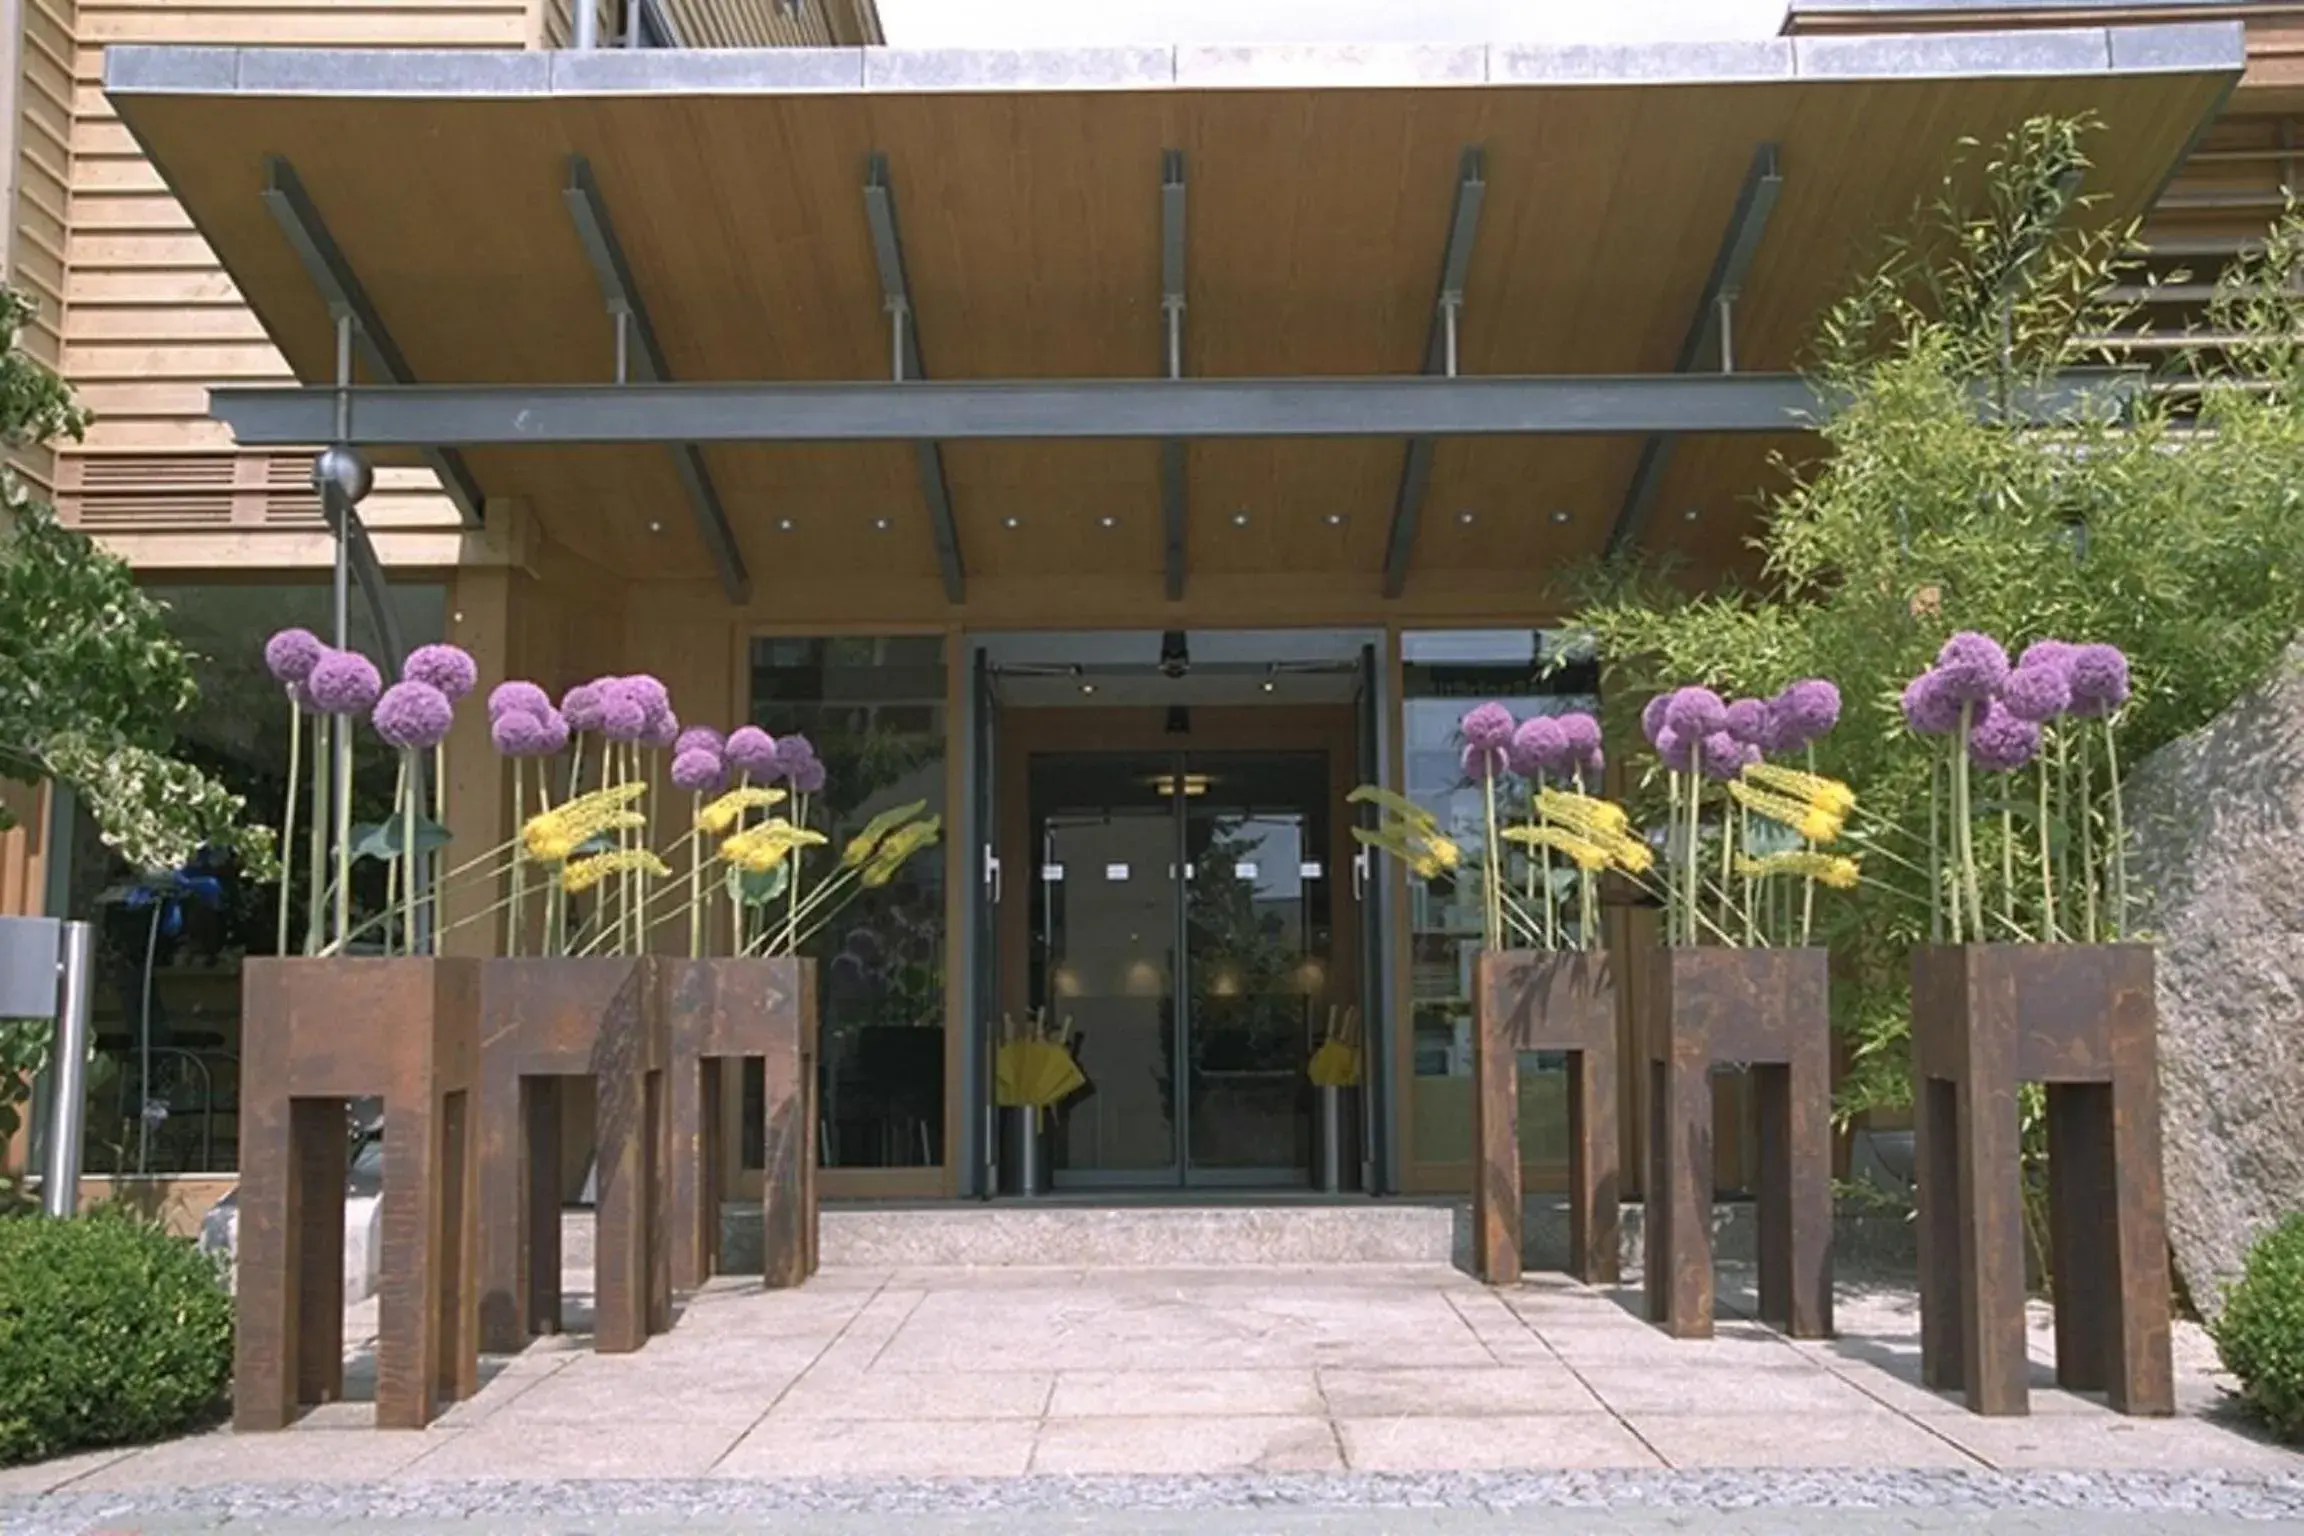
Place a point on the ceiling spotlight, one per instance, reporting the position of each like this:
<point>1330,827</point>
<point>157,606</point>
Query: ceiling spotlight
<point>1240,518</point>
<point>1011,521</point>
<point>1107,521</point>
<point>655,526</point>
<point>785,525</point>
<point>1335,519</point>
<point>1560,514</point>
<point>1087,687</point>
<point>1690,514</point>
<point>883,524</point>
<point>1269,685</point>
<point>1465,517</point>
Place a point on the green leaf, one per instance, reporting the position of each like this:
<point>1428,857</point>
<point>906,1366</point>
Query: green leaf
<point>758,890</point>
<point>382,840</point>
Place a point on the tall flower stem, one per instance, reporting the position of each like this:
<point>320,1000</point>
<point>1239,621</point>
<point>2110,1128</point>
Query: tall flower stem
<point>2086,831</point>
<point>1936,852</point>
<point>792,885</point>
<point>1671,865</point>
<point>2119,832</point>
<point>695,880</point>
<point>736,892</point>
<point>1492,877</point>
<point>2008,855</point>
<point>288,818</point>
<point>393,911</point>
<point>343,791</point>
<point>1963,824</point>
<point>410,859</point>
<point>1727,863</point>
<point>513,932</point>
<point>1587,894</point>
<point>316,861</point>
<point>1808,882</point>
<point>1551,897</point>
<point>1695,853</point>
<point>2048,933</point>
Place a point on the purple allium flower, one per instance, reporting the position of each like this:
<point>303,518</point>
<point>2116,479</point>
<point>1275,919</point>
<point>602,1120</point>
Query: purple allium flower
<point>623,717</point>
<point>291,655</point>
<point>1805,712</point>
<point>1676,750</point>
<point>1488,725</point>
<point>2099,680</point>
<point>582,705</point>
<point>555,734</point>
<point>1581,732</point>
<point>413,716</point>
<point>344,683</point>
<point>2055,654</point>
<point>449,668</point>
<point>1594,764</point>
<point>2000,742</point>
<point>701,736</point>
<point>809,777</point>
<point>655,701</point>
<point>2037,693</point>
<point>794,752</point>
<point>1696,713</point>
<point>1973,666</point>
<point>752,752</point>
<point>661,731</point>
<point>517,733</point>
<point>1479,762</point>
<point>699,769</point>
<point>1722,756</point>
<point>1538,746</point>
<point>1929,706</point>
<point>1652,716</point>
<point>1748,721</point>
<point>299,697</point>
<point>518,698</point>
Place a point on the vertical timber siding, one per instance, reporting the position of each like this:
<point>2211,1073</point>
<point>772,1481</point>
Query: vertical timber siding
<point>40,116</point>
<point>149,317</point>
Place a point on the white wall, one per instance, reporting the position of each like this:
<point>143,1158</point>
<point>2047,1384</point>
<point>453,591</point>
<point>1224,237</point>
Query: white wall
<point>1060,23</point>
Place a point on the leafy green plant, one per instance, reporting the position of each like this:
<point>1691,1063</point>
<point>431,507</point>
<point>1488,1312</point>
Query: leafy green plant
<point>2260,1334</point>
<point>91,682</point>
<point>111,1332</point>
<point>24,1048</point>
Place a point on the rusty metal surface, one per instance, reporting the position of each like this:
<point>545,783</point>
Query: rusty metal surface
<point>1768,1009</point>
<point>1538,1000</point>
<point>316,1032</point>
<point>2081,1019</point>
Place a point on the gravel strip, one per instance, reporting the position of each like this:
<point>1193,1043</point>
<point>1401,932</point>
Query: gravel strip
<point>498,1503</point>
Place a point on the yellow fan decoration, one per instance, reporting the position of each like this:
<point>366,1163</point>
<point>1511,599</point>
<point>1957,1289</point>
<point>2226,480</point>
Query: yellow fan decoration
<point>862,846</point>
<point>900,845</point>
<point>723,813</point>
<point>555,835</point>
<point>1033,1067</point>
<point>583,874</point>
<point>1336,1063</point>
<point>757,850</point>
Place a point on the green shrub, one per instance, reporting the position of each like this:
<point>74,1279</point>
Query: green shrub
<point>111,1331</point>
<point>2261,1334</point>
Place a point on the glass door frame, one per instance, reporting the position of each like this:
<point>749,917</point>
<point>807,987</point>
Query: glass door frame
<point>1333,729</point>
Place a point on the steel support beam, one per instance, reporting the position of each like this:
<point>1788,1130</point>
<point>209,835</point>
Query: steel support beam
<point>1711,334</point>
<point>896,293</point>
<point>641,355</point>
<point>293,210</point>
<point>1020,409</point>
<point>1439,358</point>
<point>1174,455</point>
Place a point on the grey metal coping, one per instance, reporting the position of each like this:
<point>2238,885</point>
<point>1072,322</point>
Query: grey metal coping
<point>2157,48</point>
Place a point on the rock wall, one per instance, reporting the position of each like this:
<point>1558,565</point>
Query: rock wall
<point>2218,820</point>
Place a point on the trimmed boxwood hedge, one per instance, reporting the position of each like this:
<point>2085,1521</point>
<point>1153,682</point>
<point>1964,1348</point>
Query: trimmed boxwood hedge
<point>112,1331</point>
<point>2261,1332</point>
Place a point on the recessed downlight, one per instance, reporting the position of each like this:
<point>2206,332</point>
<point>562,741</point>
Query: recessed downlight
<point>883,524</point>
<point>785,525</point>
<point>1107,521</point>
<point>1335,519</point>
<point>1465,517</point>
<point>1240,518</point>
<point>1011,521</point>
<point>1560,514</point>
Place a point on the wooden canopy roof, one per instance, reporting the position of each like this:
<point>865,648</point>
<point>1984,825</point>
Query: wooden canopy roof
<point>1321,187</point>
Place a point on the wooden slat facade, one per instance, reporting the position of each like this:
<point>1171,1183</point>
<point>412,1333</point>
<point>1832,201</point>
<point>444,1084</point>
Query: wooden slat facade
<point>39,73</point>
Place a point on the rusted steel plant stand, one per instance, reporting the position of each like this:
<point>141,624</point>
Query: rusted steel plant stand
<point>1541,1000</point>
<point>543,1021</point>
<point>720,1012</point>
<point>316,1033</point>
<point>1768,1008</point>
<point>2080,1019</point>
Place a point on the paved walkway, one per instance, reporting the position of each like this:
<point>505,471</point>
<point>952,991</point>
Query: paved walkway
<point>1345,1384</point>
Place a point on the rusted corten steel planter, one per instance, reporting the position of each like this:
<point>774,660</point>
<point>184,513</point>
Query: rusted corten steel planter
<point>720,1012</point>
<point>543,1021</point>
<point>316,1033</point>
<point>1541,1000</point>
<point>2082,1020</point>
<point>1768,1008</point>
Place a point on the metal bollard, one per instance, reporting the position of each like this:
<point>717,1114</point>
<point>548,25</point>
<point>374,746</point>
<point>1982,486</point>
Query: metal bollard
<point>68,1068</point>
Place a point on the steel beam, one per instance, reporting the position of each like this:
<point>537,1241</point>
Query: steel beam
<point>639,350</point>
<point>896,293</point>
<point>1711,334</point>
<point>293,210</point>
<point>1439,358</point>
<point>1174,455</point>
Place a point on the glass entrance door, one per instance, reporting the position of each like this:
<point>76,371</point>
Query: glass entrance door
<point>1182,924</point>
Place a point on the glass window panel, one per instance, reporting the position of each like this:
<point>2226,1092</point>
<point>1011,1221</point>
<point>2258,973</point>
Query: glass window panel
<point>1446,673</point>
<point>164,1089</point>
<point>874,708</point>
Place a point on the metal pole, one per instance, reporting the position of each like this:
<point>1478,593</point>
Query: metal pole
<point>587,23</point>
<point>60,1189</point>
<point>340,729</point>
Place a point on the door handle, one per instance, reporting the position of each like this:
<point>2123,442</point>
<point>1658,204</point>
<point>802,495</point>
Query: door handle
<point>1360,875</point>
<point>993,876</point>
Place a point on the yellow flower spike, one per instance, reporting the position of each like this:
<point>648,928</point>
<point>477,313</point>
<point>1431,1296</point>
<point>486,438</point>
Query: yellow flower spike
<point>584,874</point>
<point>721,814</point>
<point>1811,822</point>
<point>1444,851</point>
<point>1830,869</point>
<point>553,835</point>
<point>1582,813</point>
<point>901,846</point>
<point>757,850</point>
<point>1827,795</point>
<point>1418,818</point>
<point>1584,852</point>
<point>1632,855</point>
<point>860,847</point>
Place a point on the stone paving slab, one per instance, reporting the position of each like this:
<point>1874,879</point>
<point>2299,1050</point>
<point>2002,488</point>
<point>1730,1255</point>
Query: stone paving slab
<point>1024,1381</point>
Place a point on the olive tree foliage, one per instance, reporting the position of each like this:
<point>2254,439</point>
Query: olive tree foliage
<point>92,684</point>
<point>2166,520</point>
